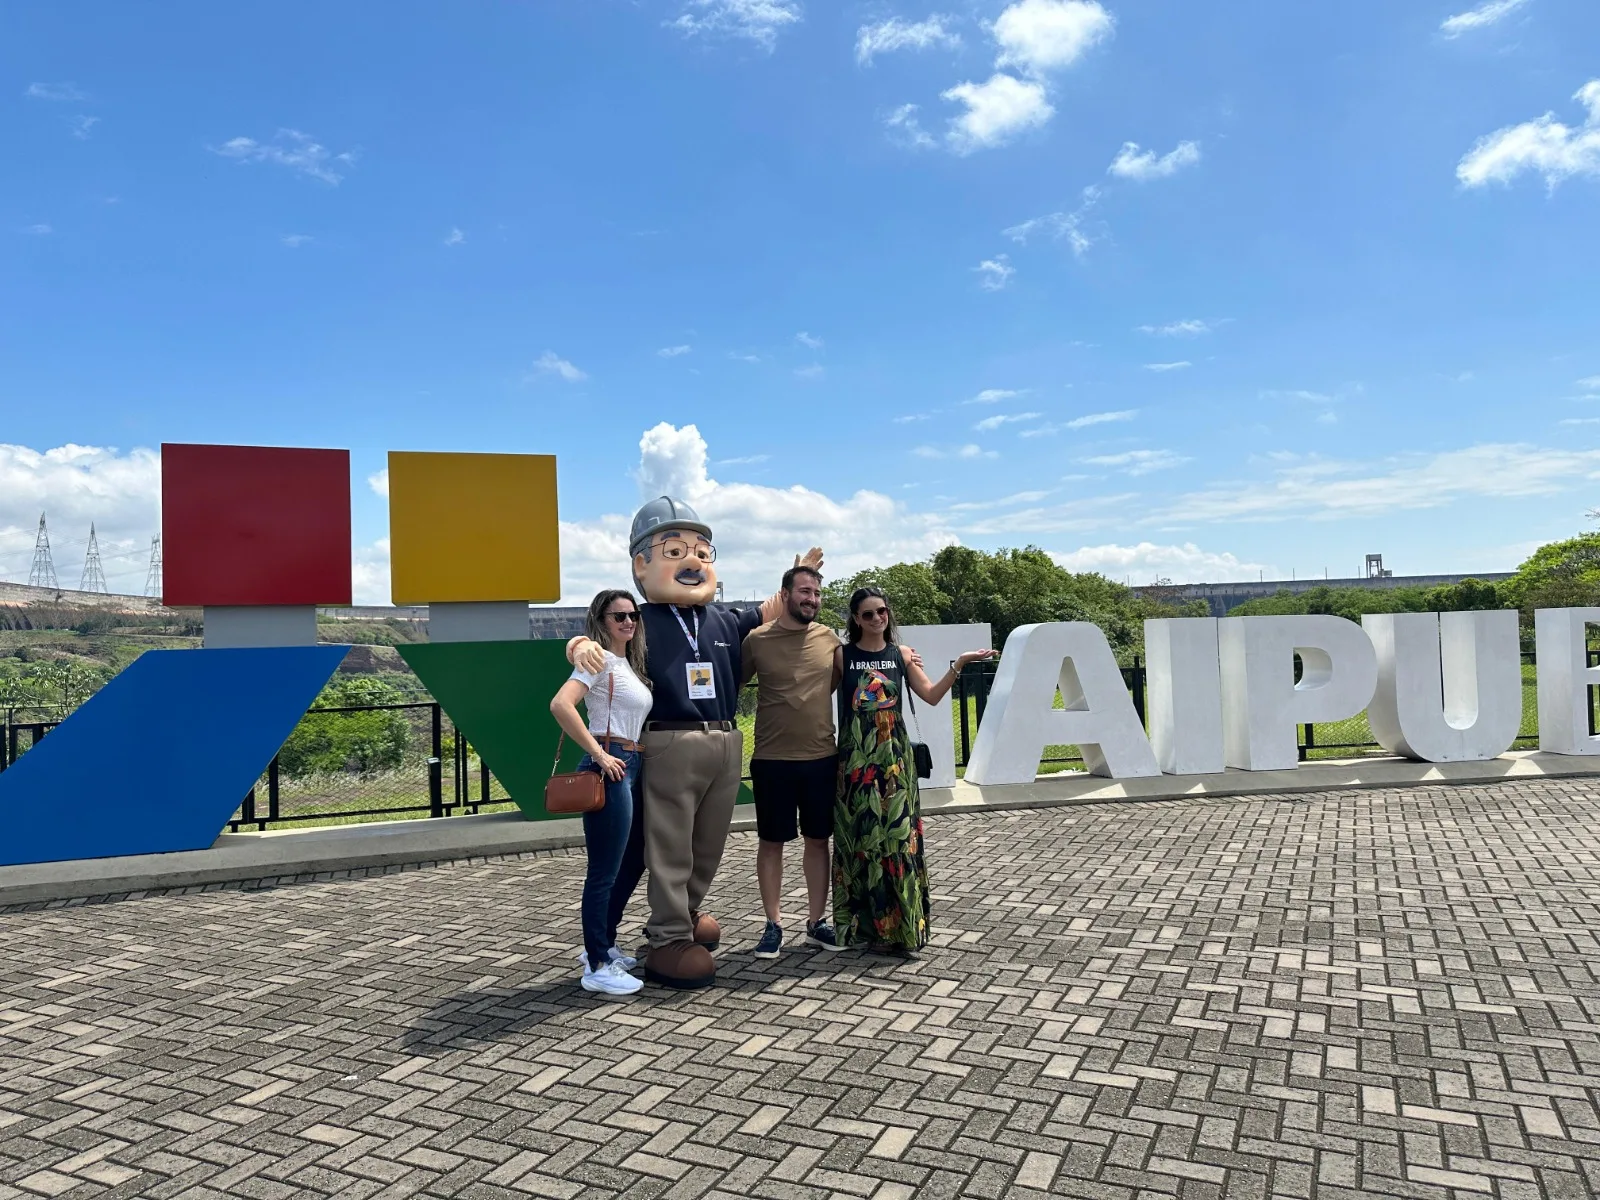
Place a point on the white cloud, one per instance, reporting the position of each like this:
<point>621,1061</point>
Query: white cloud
<point>995,395</point>
<point>1036,36</point>
<point>911,417</point>
<point>745,358</point>
<point>552,364</point>
<point>378,481</point>
<point>295,240</point>
<point>808,341</point>
<point>1299,394</point>
<point>1485,14</point>
<point>997,111</point>
<point>68,92</point>
<point>673,351</point>
<point>1190,328</point>
<point>82,125</point>
<point>1147,561</point>
<point>999,419</point>
<point>1059,225</point>
<point>1144,165</point>
<point>747,460</point>
<point>895,34</point>
<point>1591,384</point>
<point>1543,145</point>
<point>1138,462</point>
<point>40,230</point>
<point>1004,502</point>
<point>455,237</point>
<point>1324,489</point>
<point>758,529</point>
<point>970,450</point>
<point>289,148</point>
<point>904,128</point>
<point>120,493</point>
<point>1101,418</point>
<point>759,21</point>
<point>1580,421</point>
<point>1168,366</point>
<point>814,371</point>
<point>994,273</point>
<point>369,572</point>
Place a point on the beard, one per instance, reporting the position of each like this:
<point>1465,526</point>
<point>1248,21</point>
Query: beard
<point>796,613</point>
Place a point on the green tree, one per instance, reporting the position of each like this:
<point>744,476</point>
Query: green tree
<point>915,597</point>
<point>66,682</point>
<point>1558,575</point>
<point>328,742</point>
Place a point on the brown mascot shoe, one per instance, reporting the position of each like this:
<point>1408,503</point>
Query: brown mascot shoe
<point>681,965</point>
<point>707,932</point>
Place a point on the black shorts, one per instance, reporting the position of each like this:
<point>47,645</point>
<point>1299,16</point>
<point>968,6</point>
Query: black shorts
<point>786,789</point>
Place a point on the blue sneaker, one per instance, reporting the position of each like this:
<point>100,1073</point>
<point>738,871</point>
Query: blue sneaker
<point>771,941</point>
<point>821,934</point>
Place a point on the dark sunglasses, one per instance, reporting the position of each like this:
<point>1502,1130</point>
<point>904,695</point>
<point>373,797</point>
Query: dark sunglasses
<point>872,614</point>
<point>620,617</point>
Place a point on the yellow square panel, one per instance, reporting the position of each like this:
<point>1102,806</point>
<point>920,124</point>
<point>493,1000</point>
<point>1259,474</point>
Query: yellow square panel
<point>465,527</point>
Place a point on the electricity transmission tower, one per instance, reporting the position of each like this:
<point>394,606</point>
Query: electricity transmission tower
<point>43,572</point>
<point>94,575</point>
<point>152,581</point>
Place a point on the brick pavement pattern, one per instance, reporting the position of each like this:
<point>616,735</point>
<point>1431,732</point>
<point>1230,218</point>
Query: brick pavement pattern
<point>1356,993</point>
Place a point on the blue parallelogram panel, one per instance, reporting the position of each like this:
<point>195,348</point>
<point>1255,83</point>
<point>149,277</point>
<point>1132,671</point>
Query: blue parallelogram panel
<point>161,756</point>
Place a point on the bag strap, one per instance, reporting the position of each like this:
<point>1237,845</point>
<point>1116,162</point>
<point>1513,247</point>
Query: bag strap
<point>611,692</point>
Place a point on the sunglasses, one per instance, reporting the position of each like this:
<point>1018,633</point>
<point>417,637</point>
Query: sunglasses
<point>872,614</point>
<point>620,617</point>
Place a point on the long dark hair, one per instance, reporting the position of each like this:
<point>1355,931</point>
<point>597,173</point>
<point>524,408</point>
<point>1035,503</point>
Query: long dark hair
<point>853,630</point>
<point>597,631</point>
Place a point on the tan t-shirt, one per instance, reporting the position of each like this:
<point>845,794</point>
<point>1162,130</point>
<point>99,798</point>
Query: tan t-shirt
<point>794,702</point>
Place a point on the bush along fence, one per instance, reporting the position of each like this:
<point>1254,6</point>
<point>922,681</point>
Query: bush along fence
<point>371,762</point>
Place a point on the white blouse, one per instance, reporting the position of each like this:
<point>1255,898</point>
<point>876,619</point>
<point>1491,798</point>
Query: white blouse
<point>628,707</point>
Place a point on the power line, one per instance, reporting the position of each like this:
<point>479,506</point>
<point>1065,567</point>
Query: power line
<point>94,575</point>
<point>43,572</point>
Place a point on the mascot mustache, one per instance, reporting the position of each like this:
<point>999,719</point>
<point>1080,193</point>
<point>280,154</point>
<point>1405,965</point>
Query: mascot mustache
<point>690,575</point>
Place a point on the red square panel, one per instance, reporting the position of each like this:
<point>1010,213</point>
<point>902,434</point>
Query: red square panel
<point>255,525</point>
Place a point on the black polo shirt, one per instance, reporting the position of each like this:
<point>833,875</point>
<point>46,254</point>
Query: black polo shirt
<point>722,632</point>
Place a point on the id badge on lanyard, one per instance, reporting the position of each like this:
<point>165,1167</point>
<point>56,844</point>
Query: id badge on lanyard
<point>699,678</point>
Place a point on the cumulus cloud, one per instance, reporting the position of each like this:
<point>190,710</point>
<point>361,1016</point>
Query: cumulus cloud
<point>758,529</point>
<point>995,395</point>
<point>290,148</point>
<point>1543,146</point>
<point>895,34</point>
<point>1059,226</point>
<point>1137,462</point>
<point>994,273</point>
<point>1101,418</point>
<point>82,126</point>
<point>970,450</point>
<point>904,128</point>
<point>809,341</point>
<point>60,92</point>
<point>378,481</point>
<point>758,21</point>
<point>120,493</point>
<point>1037,36</point>
<point>1146,562</point>
<point>1190,328</point>
<point>551,363</point>
<point>1168,366</point>
<point>999,419</point>
<point>673,351</point>
<point>1591,384</point>
<point>1142,166</point>
<point>1478,18</point>
<point>455,237</point>
<point>997,111</point>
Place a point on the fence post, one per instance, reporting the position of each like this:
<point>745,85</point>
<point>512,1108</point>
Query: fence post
<point>483,780</point>
<point>436,765</point>
<point>961,703</point>
<point>5,751</point>
<point>272,790</point>
<point>1138,687</point>
<point>247,811</point>
<point>1310,742</point>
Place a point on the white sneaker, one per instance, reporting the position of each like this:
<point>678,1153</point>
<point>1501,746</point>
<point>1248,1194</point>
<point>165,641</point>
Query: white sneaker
<point>612,980</point>
<point>625,961</point>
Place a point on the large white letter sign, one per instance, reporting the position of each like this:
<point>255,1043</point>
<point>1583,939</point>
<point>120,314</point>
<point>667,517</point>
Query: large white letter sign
<point>1562,661</point>
<point>1021,718</point>
<point>1261,702</point>
<point>939,645</point>
<point>1184,694</point>
<point>1449,685</point>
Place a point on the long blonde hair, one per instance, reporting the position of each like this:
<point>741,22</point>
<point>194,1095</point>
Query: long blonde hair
<point>598,633</point>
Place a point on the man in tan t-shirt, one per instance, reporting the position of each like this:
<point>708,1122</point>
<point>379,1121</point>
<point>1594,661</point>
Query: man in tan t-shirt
<point>794,770</point>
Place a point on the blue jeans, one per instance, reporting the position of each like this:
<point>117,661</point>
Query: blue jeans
<point>606,837</point>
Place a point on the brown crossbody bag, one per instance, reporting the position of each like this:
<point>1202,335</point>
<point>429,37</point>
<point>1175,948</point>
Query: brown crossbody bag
<point>575,792</point>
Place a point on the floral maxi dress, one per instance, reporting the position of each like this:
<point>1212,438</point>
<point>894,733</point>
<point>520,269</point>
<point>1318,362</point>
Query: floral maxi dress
<point>880,885</point>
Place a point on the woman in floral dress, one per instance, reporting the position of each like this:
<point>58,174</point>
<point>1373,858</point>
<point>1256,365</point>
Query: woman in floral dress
<point>880,884</point>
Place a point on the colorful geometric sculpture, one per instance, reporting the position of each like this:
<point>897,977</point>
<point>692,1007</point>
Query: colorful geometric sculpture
<point>255,525</point>
<point>100,784</point>
<point>473,527</point>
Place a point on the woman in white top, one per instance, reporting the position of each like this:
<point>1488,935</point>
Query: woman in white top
<point>617,698</point>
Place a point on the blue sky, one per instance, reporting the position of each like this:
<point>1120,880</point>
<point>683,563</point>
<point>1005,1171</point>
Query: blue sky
<point>1336,297</point>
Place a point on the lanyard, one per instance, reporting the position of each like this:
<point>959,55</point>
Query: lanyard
<point>694,638</point>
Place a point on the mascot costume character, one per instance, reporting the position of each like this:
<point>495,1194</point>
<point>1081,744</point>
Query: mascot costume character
<point>693,750</point>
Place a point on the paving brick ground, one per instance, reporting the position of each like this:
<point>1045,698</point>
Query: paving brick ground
<point>1359,993</point>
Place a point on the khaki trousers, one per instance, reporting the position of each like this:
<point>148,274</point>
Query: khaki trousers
<point>691,781</point>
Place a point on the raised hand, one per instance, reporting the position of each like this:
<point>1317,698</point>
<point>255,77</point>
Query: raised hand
<point>587,655</point>
<point>811,558</point>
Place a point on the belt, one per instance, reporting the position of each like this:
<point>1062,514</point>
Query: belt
<point>620,744</point>
<point>689,727</point>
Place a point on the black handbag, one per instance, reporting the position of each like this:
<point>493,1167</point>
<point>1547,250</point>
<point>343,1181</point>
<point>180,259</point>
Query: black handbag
<point>921,756</point>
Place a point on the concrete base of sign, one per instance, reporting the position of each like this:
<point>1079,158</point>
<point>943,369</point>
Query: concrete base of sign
<point>229,627</point>
<point>297,853</point>
<point>479,621</point>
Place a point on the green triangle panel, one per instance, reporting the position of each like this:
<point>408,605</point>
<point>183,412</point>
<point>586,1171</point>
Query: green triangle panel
<point>498,694</point>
